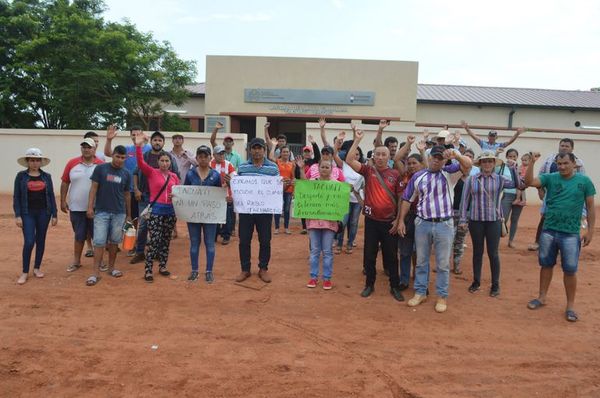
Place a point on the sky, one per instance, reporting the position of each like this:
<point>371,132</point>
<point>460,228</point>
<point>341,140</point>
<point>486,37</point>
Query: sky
<point>527,43</point>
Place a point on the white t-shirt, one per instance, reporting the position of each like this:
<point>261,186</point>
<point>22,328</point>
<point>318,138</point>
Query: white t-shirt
<point>356,180</point>
<point>78,174</point>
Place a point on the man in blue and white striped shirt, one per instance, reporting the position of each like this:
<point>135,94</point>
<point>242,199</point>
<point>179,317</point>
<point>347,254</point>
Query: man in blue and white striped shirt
<point>433,189</point>
<point>257,165</point>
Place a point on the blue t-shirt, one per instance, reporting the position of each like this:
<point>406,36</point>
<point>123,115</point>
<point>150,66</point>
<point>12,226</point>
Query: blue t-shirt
<point>131,161</point>
<point>212,180</point>
<point>112,185</point>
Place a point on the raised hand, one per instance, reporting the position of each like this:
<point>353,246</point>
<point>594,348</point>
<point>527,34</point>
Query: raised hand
<point>218,125</point>
<point>358,135</point>
<point>426,134</point>
<point>274,141</point>
<point>411,139</point>
<point>337,144</point>
<point>383,123</point>
<point>140,138</point>
<point>421,145</point>
<point>353,126</point>
<point>299,162</point>
<point>322,122</point>
<point>111,132</point>
<point>534,156</point>
<point>520,130</point>
<point>464,124</point>
<point>267,125</point>
<point>449,138</point>
<point>311,139</point>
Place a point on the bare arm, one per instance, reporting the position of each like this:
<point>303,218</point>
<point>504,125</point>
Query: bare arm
<point>468,130</point>
<point>322,124</point>
<point>350,157</point>
<point>591,218</point>
<point>213,134</point>
<point>382,125</point>
<point>267,136</point>
<point>111,132</point>
<point>128,204</point>
<point>464,161</point>
<point>272,150</point>
<point>64,188</point>
<point>516,135</point>
<point>92,199</point>
<point>404,208</point>
<point>530,181</point>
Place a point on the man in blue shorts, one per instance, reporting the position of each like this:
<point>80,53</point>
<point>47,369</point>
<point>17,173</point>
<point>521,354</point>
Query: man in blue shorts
<point>566,193</point>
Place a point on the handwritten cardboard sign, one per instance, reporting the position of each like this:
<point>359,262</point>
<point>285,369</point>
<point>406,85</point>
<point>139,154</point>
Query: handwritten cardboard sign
<point>257,194</point>
<point>321,200</point>
<point>199,204</point>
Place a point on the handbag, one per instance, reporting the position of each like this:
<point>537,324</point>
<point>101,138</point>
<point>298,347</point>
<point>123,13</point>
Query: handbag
<point>147,212</point>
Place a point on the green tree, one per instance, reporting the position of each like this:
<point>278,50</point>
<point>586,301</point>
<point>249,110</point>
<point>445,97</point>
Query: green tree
<point>63,66</point>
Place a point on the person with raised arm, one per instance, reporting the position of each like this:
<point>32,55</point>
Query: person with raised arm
<point>567,192</point>
<point>160,182</point>
<point>380,210</point>
<point>276,144</point>
<point>491,144</point>
<point>286,170</point>
<point>432,190</point>
<point>230,155</point>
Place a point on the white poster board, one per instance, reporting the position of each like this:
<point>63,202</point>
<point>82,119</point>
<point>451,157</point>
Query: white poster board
<point>257,194</point>
<point>200,204</point>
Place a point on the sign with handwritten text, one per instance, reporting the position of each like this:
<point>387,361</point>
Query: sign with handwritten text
<point>321,200</point>
<point>200,204</point>
<point>257,194</point>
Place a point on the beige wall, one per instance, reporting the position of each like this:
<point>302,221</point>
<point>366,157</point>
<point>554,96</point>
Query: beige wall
<point>194,107</point>
<point>62,145</point>
<point>586,145</point>
<point>394,83</point>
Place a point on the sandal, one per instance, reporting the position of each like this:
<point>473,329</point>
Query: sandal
<point>89,253</point>
<point>337,250</point>
<point>349,250</point>
<point>115,273</point>
<point>103,267</point>
<point>92,280</point>
<point>148,277</point>
<point>571,316</point>
<point>164,271</point>
<point>535,304</point>
<point>73,267</point>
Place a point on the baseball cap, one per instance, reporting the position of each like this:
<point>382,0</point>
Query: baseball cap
<point>257,142</point>
<point>228,137</point>
<point>157,134</point>
<point>89,141</point>
<point>219,149</point>
<point>203,149</point>
<point>493,132</point>
<point>437,150</point>
<point>443,134</point>
<point>307,148</point>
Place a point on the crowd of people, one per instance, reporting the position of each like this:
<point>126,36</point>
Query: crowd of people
<point>419,198</point>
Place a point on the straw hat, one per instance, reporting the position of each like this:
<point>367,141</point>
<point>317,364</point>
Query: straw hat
<point>33,153</point>
<point>487,155</point>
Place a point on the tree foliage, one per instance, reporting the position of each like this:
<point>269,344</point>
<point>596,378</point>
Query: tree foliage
<point>63,66</point>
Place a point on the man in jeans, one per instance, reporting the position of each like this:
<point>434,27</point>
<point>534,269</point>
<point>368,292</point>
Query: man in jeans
<point>567,192</point>
<point>109,205</point>
<point>257,165</point>
<point>433,190</point>
<point>381,207</point>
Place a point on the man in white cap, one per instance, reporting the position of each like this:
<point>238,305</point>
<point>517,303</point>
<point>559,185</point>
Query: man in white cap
<point>224,167</point>
<point>230,155</point>
<point>77,184</point>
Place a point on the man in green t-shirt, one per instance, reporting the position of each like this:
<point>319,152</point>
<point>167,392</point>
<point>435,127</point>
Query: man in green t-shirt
<point>566,194</point>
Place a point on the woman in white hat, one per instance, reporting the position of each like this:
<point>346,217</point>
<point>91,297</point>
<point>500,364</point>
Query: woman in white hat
<point>35,206</point>
<point>480,205</point>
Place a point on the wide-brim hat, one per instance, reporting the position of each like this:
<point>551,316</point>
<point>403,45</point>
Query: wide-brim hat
<point>487,155</point>
<point>33,153</point>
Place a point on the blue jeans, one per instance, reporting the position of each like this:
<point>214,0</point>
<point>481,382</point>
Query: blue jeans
<point>287,201</point>
<point>225,230</point>
<point>195,230</point>
<point>406,245</point>
<point>108,228</point>
<point>551,242</point>
<point>321,240</point>
<point>142,233</point>
<point>440,235</point>
<point>350,225</point>
<point>35,226</point>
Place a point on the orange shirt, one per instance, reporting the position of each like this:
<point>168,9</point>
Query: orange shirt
<point>286,170</point>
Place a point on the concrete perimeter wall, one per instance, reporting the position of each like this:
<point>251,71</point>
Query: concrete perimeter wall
<point>62,145</point>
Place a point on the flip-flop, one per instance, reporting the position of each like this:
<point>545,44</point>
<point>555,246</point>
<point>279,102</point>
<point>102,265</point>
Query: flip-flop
<point>115,273</point>
<point>73,267</point>
<point>535,304</point>
<point>571,316</point>
<point>92,280</point>
<point>89,253</point>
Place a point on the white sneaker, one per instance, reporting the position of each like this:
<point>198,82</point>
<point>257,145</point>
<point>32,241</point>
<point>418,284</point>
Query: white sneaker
<point>440,305</point>
<point>416,300</point>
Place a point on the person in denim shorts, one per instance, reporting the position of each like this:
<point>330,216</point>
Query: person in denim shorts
<point>109,205</point>
<point>566,193</point>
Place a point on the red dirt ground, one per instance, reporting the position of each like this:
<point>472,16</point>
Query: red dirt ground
<point>59,338</point>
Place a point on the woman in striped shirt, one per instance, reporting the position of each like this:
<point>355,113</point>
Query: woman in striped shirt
<point>480,204</point>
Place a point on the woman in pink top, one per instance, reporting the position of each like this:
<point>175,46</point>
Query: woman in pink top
<point>321,234</point>
<point>162,219</point>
